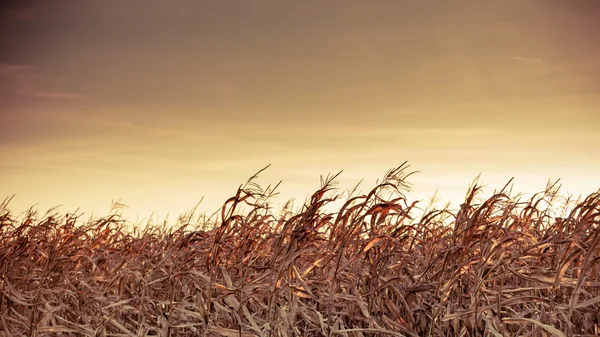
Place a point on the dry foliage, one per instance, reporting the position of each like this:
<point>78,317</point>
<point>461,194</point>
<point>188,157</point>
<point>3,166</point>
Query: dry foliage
<point>500,267</point>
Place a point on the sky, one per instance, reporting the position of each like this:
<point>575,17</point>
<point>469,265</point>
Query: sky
<point>159,104</point>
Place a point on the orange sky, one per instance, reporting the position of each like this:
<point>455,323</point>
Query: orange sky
<point>161,104</point>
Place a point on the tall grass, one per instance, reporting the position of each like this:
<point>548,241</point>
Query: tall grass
<point>501,267</point>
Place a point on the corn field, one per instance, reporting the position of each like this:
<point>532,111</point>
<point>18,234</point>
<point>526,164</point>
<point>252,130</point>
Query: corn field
<point>499,266</point>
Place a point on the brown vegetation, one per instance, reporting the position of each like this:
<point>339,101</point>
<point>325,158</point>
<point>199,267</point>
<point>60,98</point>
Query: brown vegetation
<point>499,267</point>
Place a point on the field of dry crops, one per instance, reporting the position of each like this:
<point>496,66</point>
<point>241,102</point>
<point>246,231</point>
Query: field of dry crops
<point>497,267</point>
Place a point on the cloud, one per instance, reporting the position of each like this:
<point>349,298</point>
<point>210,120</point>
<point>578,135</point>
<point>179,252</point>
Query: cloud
<point>534,61</point>
<point>8,69</point>
<point>16,78</point>
<point>29,11</point>
<point>27,81</point>
<point>57,94</point>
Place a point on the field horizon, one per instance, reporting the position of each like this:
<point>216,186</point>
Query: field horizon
<point>424,201</point>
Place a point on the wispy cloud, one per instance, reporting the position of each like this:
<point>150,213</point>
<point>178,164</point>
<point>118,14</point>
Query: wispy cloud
<point>30,11</point>
<point>16,79</point>
<point>24,80</point>
<point>530,60</point>
<point>11,69</point>
<point>57,94</point>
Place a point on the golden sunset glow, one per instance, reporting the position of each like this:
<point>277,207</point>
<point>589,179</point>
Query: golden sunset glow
<point>159,104</point>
